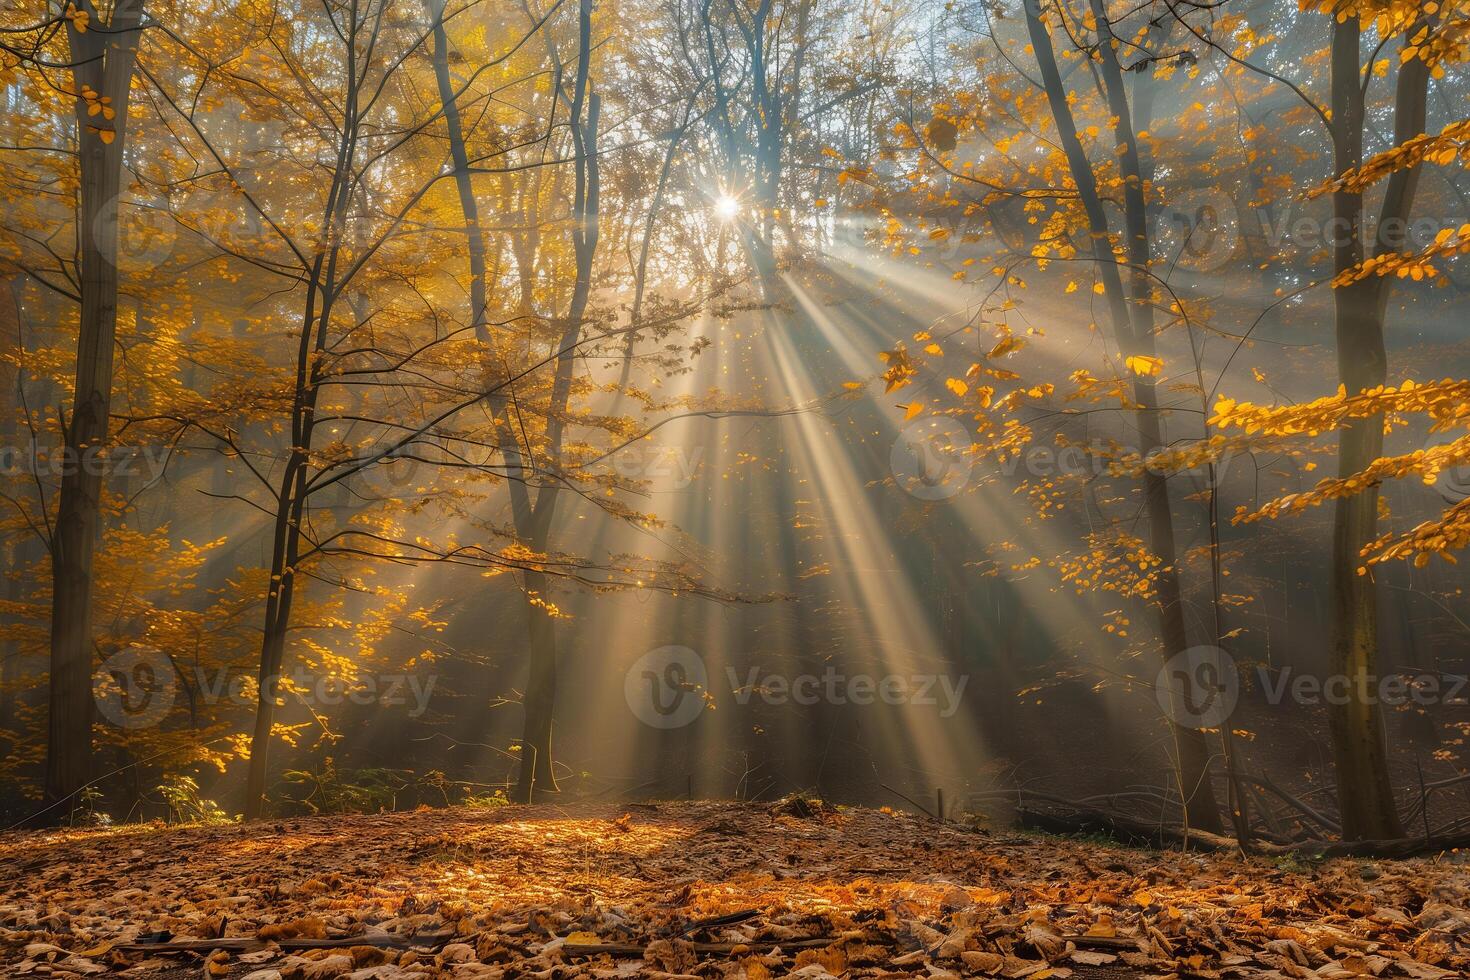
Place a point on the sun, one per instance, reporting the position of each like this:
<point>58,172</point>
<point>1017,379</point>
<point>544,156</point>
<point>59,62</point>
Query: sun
<point>727,208</point>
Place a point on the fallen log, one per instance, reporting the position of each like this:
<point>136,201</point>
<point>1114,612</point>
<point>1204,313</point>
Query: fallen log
<point>1130,831</point>
<point>1083,820</point>
<point>1405,847</point>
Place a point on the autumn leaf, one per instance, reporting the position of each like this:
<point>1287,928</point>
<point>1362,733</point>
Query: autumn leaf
<point>1144,365</point>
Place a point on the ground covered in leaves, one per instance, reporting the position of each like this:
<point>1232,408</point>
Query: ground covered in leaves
<point>711,890</point>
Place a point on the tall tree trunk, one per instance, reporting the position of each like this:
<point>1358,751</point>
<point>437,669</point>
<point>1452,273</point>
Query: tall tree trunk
<point>1135,337</point>
<point>537,773</point>
<point>1156,486</point>
<point>292,495</point>
<point>102,60</point>
<point>1365,793</point>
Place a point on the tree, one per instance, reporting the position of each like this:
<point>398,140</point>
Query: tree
<point>102,57</point>
<point>1135,336</point>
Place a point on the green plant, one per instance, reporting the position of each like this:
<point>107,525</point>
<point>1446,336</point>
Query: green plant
<point>86,814</point>
<point>330,790</point>
<point>487,801</point>
<point>181,795</point>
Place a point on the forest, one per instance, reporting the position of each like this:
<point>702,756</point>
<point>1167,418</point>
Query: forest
<point>735,489</point>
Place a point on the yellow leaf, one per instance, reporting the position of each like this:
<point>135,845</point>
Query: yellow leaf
<point>1007,345</point>
<point>1144,365</point>
<point>957,386</point>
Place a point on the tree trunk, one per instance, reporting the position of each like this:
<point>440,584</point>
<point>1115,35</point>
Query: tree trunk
<point>102,60</point>
<point>1135,337</point>
<point>536,769</point>
<point>1364,790</point>
<point>537,774</point>
<point>282,590</point>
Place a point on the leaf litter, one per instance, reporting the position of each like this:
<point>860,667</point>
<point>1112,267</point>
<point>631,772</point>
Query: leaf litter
<point>718,891</point>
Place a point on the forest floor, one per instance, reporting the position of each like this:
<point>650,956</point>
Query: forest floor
<point>708,890</point>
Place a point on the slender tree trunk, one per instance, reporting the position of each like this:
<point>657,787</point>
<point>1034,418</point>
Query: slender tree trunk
<point>540,697</point>
<point>292,496</point>
<point>102,60</point>
<point>1192,755</point>
<point>13,551</point>
<point>641,278</point>
<point>537,773</point>
<point>282,591</point>
<point>1365,792</point>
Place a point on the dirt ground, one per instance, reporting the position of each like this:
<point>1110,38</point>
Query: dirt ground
<point>707,890</point>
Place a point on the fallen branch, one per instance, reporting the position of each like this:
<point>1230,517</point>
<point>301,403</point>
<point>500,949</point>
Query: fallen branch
<point>635,950</point>
<point>249,944</point>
